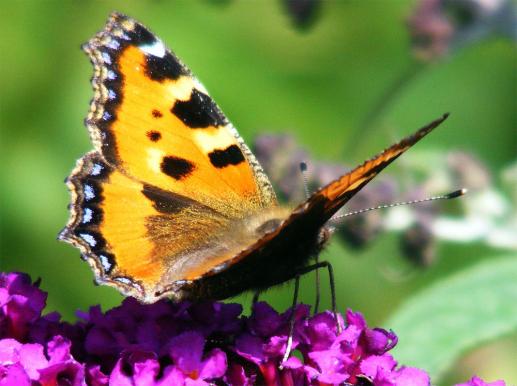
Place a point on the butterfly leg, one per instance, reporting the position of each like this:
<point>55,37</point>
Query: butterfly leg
<point>292,319</point>
<point>316,267</point>
<point>317,301</point>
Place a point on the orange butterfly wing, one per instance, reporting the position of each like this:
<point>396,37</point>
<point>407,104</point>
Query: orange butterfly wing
<point>169,175</point>
<point>154,121</point>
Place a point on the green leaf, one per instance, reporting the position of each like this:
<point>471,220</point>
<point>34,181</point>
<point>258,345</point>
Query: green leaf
<point>459,313</point>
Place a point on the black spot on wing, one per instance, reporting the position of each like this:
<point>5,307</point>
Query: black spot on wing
<point>154,135</point>
<point>157,113</point>
<point>167,67</point>
<point>176,167</point>
<point>141,36</point>
<point>199,111</point>
<point>157,68</point>
<point>164,201</point>
<point>232,155</point>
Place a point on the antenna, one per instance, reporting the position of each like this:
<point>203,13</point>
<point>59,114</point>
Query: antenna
<point>303,169</point>
<point>448,196</point>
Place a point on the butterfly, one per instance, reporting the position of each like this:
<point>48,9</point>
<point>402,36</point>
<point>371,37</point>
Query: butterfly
<point>171,202</point>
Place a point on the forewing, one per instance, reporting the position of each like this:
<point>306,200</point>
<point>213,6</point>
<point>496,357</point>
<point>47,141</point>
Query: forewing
<point>337,193</point>
<point>153,121</point>
<point>169,173</point>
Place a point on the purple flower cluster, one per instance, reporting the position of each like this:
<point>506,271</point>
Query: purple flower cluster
<point>189,344</point>
<point>438,27</point>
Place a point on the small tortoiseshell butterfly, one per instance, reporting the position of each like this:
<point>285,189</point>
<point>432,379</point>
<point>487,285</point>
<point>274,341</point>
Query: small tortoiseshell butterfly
<point>172,203</point>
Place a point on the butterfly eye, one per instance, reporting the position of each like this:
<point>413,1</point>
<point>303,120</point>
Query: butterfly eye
<point>268,226</point>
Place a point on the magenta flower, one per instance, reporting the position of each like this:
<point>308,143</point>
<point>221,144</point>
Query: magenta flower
<point>190,344</point>
<point>22,363</point>
<point>187,352</point>
<point>475,381</point>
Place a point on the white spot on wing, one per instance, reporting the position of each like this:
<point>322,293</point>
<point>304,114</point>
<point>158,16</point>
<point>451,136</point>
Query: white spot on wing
<point>89,193</point>
<point>155,49</point>
<point>96,169</point>
<point>123,280</point>
<point>182,88</point>
<point>213,139</point>
<point>87,215</point>
<point>113,44</point>
<point>106,58</point>
<point>89,239</point>
<point>154,159</point>
<point>106,265</point>
<point>111,75</point>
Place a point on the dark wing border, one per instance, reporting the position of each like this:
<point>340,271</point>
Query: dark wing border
<point>85,186</point>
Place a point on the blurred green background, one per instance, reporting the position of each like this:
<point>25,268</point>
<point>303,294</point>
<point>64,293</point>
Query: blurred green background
<point>320,84</point>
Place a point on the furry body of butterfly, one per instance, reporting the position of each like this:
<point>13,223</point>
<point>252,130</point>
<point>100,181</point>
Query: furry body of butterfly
<point>264,266</point>
<point>172,203</point>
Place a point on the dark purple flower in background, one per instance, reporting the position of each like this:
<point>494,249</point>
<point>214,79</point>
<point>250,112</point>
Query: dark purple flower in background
<point>280,156</point>
<point>302,13</point>
<point>21,303</point>
<point>438,27</point>
<point>191,344</point>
